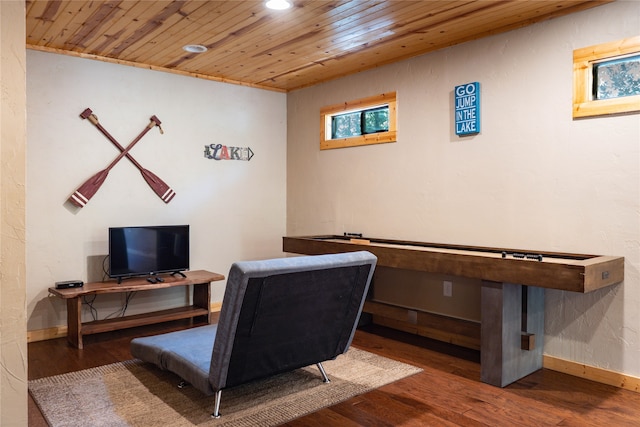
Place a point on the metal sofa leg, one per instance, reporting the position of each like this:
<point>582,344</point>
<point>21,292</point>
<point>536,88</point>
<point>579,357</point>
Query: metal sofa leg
<point>325,378</point>
<point>216,409</point>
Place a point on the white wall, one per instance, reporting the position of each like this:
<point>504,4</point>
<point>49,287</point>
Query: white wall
<point>13,319</point>
<point>532,179</point>
<point>236,209</point>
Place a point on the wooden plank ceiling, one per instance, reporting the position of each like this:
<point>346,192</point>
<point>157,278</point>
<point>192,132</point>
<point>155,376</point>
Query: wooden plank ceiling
<point>312,42</point>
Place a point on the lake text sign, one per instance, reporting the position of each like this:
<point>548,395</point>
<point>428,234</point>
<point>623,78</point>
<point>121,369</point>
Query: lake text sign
<point>467,108</point>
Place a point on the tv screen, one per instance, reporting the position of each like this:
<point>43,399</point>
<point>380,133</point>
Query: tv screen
<point>148,250</point>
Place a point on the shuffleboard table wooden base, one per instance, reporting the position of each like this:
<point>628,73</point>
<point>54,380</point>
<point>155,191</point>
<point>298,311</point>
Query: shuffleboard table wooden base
<point>512,294</point>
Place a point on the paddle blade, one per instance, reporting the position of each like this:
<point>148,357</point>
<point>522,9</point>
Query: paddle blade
<point>158,186</point>
<point>85,192</point>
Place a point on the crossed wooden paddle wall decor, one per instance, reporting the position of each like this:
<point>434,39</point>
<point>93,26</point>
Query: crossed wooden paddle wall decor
<point>86,191</point>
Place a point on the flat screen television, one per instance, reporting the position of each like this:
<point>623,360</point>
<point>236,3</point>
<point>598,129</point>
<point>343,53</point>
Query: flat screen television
<point>148,250</point>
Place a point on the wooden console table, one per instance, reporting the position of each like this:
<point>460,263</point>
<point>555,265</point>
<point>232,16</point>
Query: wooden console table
<point>200,309</point>
<point>512,296</point>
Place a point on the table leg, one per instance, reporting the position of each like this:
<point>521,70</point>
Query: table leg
<point>202,298</point>
<point>510,312</point>
<point>74,322</point>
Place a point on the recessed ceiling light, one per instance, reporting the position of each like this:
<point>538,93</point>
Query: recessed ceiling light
<point>278,4</point>
<point>194,48</point>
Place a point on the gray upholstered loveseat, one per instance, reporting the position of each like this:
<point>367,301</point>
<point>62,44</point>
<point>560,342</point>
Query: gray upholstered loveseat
<point>277,315</point>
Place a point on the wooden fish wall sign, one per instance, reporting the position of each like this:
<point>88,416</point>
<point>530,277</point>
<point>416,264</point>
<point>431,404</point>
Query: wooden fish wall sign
<point>223,152</point>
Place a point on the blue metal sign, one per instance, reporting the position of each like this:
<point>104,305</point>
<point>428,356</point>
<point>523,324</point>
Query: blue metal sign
<point>467,108</point>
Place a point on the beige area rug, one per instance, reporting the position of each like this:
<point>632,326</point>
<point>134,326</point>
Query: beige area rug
<point>134,393</point>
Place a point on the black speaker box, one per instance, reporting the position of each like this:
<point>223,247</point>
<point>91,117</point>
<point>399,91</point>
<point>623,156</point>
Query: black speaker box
<point>69,284</point>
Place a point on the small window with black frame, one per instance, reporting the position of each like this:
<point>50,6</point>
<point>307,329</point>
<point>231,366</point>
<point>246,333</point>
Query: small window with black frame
<point>606,78</point>
<point>615,78</point>
<point>361,122</point>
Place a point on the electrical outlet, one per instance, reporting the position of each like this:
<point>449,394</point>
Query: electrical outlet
<point>447,288</point>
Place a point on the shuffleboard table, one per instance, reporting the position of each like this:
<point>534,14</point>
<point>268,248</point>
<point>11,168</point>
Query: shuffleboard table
<point>512,294</point>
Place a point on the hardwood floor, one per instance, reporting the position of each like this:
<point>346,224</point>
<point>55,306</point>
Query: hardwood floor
<point>447,393</point>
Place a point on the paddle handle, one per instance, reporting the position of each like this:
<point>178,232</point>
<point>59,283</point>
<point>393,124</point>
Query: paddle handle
<point>153,121</point>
